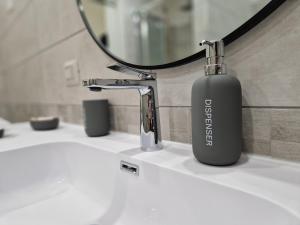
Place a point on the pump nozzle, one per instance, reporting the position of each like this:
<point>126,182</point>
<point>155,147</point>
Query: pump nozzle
<point>214,57</point>
<point>204,42</point>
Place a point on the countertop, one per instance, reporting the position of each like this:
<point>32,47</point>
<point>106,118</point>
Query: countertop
<point>277,181</point>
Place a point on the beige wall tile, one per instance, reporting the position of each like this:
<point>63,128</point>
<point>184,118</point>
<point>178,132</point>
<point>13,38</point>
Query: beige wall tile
<point>2,89</point>
<point>69,113</point>
<point>9,15</point>
<point>266,59</point>
<point>24,83</point>
<point>65,112</point>
<point>48,110</point>
<point>52,64</point>
<point>53,60</point>
<point>22,112</point>
<point>92,64</point>
<point>57,20</point>
<point>125,119</point>
<point>20,42</point>
<point>257,130</point>
<point>4,111</point>
<point>257,124</point>
<point>286,125</point>
<point>257,146</point>
<point>176,123</point>
<point>175,85</point>
<point>77,116</point>
<point>285,150</point>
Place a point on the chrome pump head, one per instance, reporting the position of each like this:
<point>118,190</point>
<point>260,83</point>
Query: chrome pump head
<point>214,57</point>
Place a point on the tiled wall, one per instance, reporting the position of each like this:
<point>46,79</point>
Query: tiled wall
<point>38,37</point>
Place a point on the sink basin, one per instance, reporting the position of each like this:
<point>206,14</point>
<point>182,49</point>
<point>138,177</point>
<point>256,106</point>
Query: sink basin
<point>75,184</point>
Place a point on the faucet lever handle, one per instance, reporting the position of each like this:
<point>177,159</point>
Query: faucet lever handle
<point>142,74</point>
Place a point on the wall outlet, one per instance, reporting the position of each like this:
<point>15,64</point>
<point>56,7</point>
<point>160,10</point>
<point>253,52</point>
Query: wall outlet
<point>71,72</point>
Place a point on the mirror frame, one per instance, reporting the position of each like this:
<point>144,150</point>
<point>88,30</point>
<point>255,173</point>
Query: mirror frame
<point>244,28</point>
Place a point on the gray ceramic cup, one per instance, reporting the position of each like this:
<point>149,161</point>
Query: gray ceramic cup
<point>96,117</point>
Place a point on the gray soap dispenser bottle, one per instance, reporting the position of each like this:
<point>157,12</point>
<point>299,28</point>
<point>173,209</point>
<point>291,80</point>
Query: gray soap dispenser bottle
<point>216,111</point>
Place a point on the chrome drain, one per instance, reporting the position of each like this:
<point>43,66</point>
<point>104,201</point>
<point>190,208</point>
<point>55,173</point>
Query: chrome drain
<point>129,168</point>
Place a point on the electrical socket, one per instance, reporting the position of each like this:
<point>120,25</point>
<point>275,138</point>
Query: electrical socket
<point>71,73</point>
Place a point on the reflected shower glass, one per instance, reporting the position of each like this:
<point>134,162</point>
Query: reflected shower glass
<point>156,32</point>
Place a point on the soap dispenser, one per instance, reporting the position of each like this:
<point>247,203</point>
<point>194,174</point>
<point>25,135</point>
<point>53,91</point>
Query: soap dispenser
<point>216,111</point>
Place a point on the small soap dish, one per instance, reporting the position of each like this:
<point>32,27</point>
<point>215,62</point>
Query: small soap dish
<point>1,133</point>
<point>44,123</point>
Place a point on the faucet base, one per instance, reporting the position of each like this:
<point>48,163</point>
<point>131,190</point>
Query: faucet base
<point>149,110</point>
<point>155,148</point>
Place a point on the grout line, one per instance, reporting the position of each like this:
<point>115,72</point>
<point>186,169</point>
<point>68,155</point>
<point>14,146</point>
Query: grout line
<point>244,107</point>
<point>41,51</point>
<point>135,106</point>
<point>173,106</point>
<point>58,42</point>
<point>271,107</point>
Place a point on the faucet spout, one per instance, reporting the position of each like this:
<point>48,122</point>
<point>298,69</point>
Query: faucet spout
<point>149,111</point>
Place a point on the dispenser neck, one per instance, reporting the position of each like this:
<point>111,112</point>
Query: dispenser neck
<point>215,66</point>
<point>214,57</point>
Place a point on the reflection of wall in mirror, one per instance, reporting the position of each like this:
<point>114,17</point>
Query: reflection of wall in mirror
<point>94,11</point>
<point>149,32</point>
<point>114,31</point>
<point>133,31</point>
<point>179,25</point>
<point>169,31</point>
<point>214,19</point>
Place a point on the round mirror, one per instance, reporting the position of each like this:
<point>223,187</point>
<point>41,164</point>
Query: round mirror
<point>153,34</point>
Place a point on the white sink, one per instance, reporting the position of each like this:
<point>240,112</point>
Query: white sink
<point>75,184</point>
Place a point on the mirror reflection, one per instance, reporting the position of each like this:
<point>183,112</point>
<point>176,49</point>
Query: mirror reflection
<point>156,32</point>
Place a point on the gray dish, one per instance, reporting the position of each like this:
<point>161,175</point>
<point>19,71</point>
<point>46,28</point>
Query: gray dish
<point>44,123</point>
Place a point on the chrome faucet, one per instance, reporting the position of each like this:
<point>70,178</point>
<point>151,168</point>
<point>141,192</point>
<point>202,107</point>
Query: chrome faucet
<point>149,112</point>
